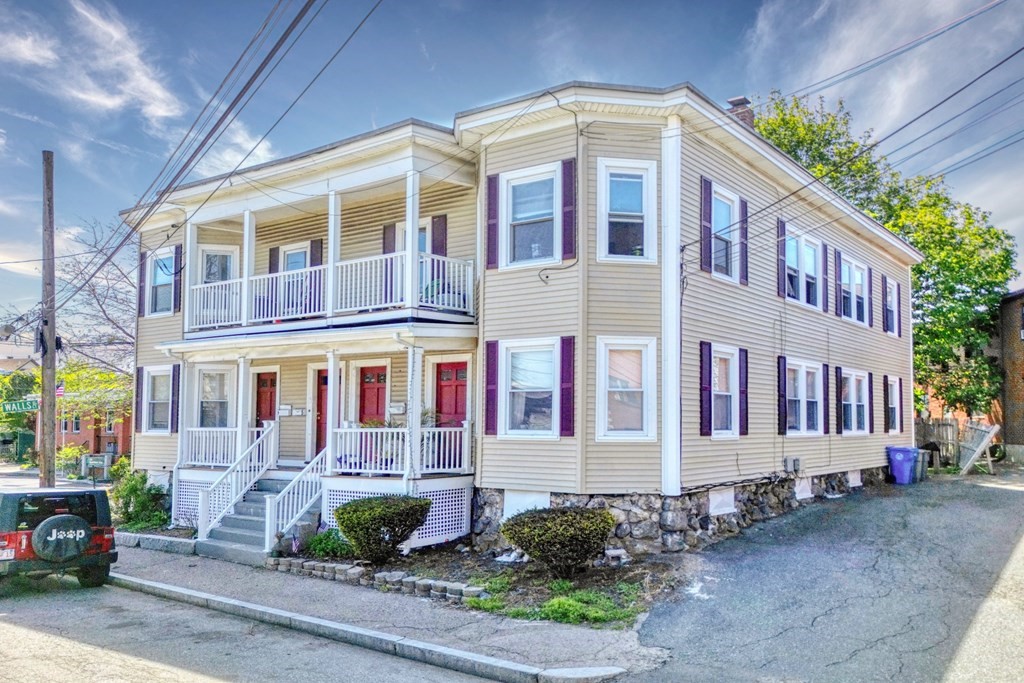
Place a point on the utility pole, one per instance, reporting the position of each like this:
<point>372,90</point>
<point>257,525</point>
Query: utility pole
<point>48,397</point>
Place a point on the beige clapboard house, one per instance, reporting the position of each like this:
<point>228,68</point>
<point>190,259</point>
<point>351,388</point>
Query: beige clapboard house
<point>595,290</point>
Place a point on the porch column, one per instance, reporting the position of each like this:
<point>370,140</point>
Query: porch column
<point>189,276</point>
<point>412,241</point>
<point>185,418</point>
<point>333,242</point>
<point>332,411</point>
<point>248,259</point>
<point>414,413</point>
<point>242,401</point>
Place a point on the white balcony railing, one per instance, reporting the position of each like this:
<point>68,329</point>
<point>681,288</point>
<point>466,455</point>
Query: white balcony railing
<point>445,449</point>
<point>446,283</point>
<point>216,303</point>
<point>211,446</point>
<point>370,283</point>
<point>374,450</point>
<point>287,295</point>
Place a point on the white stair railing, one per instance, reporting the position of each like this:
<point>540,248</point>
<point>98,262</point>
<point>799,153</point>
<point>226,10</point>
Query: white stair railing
<point>294,500</point>
<point>228,489</point>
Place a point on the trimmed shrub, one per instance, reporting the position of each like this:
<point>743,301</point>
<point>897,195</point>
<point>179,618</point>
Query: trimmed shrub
<point>139,504</point>
<point>377,526</point>
<point>329,545</point>
<point>562,539</point>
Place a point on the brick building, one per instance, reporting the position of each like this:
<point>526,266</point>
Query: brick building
<point>1011,352</point>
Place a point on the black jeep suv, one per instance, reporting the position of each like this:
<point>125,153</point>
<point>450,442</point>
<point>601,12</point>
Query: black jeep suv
<point>49,531</point>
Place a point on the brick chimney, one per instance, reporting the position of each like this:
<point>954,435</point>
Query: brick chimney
<point>740,108</point>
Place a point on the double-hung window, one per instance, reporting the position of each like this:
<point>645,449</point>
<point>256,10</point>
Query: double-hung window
<point>218,264</point>
<point>724,391</point>
<point>528,395</point>
<point>802,270</point>
<point>158,400</point>
<point>853,290</point>
<point>626,376</point>
<point>213,398</point>
<point>854,397</point>
<point>725,233</point>
<point>108,426</point>
<point>161,283</point>
<point>531,217</point>
<point>803,397</point>
<point>891,305</point>
<point>76,423</point>
<point>64,425</point>
<point>627,210</point>
<point>893,408</point>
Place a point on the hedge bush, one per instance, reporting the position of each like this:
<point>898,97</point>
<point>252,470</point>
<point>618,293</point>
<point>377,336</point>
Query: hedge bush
<point>562,539</point>
<point>329,545</point>
<point>377,526</point>
<point>139,504</point>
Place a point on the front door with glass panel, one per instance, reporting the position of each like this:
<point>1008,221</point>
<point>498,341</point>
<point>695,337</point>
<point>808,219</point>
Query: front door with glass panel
<point>450,394</point>
<point>373,382</point>
<point>266,397</point>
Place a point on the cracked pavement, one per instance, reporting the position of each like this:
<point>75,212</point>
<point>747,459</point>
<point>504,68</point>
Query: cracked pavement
<point>919,583</point>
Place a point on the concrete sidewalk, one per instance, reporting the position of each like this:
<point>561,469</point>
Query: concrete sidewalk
<point>539,644</point>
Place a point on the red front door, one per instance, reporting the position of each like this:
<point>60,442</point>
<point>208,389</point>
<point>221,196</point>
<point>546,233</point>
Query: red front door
<point>450,397</point>
<point>373,383</point>
<point>266,397</point>
<point>321,410</point>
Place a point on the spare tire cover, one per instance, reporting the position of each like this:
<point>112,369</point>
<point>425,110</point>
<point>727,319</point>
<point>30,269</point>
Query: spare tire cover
<point>61,538</point>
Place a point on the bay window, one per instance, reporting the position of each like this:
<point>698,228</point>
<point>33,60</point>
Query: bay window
<point>627,210</point>
<point>626,376</point>
<point>530,216</point>
<point>528,396</point>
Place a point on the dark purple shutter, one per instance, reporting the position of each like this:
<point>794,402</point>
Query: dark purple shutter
<point>823,279</point>
<point>839,400</point>
<point>140,374</point>
<point>491,387</point>
<point>781,397</point>
<point>780,250</point>
<point>705,229</point>
<point>743,393</point>
<point>175,379</point>
<point>316,252</point>
<point>492,221</point>
<point>388,239</point>
<point>899,322</point>
<point>871,299</point>
<point>885,402</point>
<point>839,283</point>
<point>569,209</point>
<point>142,283</point>
<point>900,408</point>
<point>176,288</point>
<point>744,261</point>
<point>705,388</point>
<point>871,403</point>
<point>825,412</point>
<point>567,405</point>
<point>439,235</point>
<point>274,260</point>
<point>885,305</point>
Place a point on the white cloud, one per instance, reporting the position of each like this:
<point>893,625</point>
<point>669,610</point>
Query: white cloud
<point>3,140</point>
<point>231,148</point>
<point>29,251</point>
<point>7,208</point>
<point>28,48</point>
<point>562,50</point>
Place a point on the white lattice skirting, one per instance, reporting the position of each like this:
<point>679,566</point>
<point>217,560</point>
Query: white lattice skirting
<point>450,498</point>
<point>185,494</point>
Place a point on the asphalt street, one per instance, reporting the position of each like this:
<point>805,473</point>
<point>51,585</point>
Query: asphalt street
<point>52,630</point>
<point>919,583</point>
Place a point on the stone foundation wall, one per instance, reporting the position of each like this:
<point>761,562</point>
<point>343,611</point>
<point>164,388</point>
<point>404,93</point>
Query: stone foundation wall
<point>652,523</point>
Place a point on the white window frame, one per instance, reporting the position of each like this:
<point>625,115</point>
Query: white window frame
<point>150,272</point>
<point>76,423</point>
<point>854,375</point>
<point>108,422</point>
<point>426,224</point>
<point>854,266</point>
<point>148,374</point>
<point>734,233</point>
<point>648,170</point>
<point>65,423</point>
<point>648,347</point>
<point>230,385</point>
<point>505,183</point>
<point>733,353</point>
<point>892,298</point>
<point>219,250</point>
<point>802,242</point>
<point>894,402</point>
<point>803,367</point>
<point>285,249</point>
<point>505,350</point>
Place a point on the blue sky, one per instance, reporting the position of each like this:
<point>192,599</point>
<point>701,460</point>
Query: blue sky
<point>111,86</point>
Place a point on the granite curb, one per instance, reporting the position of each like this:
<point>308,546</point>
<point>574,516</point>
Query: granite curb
<point>166,544</point>
<point>408,648</point>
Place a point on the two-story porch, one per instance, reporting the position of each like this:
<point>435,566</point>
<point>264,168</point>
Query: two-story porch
<point>311,420</point>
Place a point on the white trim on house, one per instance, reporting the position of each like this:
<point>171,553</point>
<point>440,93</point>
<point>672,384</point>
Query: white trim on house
<point>216,250</point>
<point>802,242</point>
<point>506,181</point>
<point>671,308</point>
<point>430,364</point>
<point>803,367</point>
<point>254,389</point>
<point>151,266</point>
<point>648,347</point>
<point>854,376</point>
<point>894,402</point>
<point>648,171</point>
<point>230,382</point>
<point>733,199</point>
<point>733,354</point>
<point>505,350</point>
<point>353,387</point>
<point>854,266</point>
<point>148,373</point>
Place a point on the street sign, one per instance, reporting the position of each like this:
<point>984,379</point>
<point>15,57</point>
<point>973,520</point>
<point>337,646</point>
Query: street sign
<point>95,461</point>
<point>20,406</point>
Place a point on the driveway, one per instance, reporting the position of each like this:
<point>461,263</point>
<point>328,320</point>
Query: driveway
<point>920,583</point>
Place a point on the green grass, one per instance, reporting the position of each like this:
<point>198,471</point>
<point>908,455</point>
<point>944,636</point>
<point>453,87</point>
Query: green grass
<point>560,586</point>
<point>498,585</point>
<point>568,605</point>
<point>585,606</point>
<point>493,604</point>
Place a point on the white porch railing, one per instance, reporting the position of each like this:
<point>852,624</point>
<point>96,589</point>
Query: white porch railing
<point>228,489</point>
<point>375,450</point>
<point>291,294</point>
<point>294,500</point>
<point>445,449</point>
<point>370,283</point>
<point>211,446</point>
<point>216,303</point>
<point>446,283</point>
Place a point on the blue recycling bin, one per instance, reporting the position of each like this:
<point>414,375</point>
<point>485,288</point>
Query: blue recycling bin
<point>901,463</point>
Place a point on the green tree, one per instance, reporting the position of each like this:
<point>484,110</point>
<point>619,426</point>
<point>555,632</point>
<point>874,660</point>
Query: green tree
<point>92,390</point>
<point>968,262</point>
<point>15,387</point>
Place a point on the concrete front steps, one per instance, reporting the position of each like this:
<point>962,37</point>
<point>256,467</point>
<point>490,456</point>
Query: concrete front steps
<point>240,536</point>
